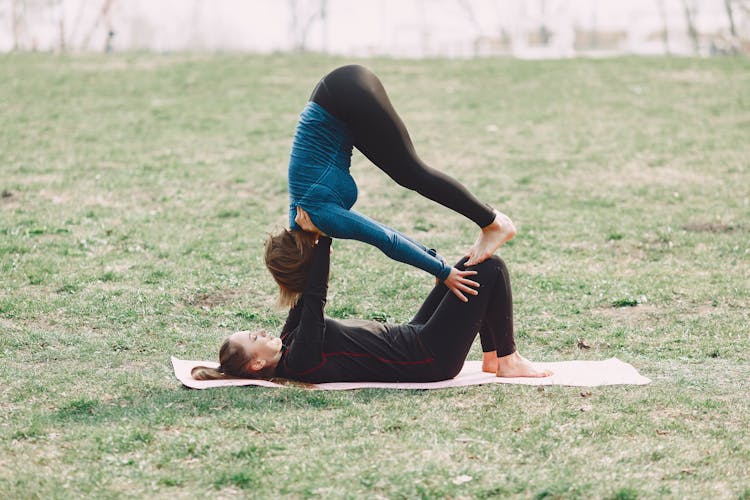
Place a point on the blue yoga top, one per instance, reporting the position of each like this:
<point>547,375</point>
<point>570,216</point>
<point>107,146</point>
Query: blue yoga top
<point>320,183</point>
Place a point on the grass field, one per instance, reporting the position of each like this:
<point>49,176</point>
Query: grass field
<point>137,192</point>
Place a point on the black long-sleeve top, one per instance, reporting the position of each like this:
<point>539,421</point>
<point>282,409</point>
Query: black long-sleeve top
<point>320,349</point>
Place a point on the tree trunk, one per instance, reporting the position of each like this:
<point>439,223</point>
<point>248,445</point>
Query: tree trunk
<point>324,24</point>
<point>293,25</point>
<point>665,28</point>
<point>17,11</point>
<point>61,41</point>
<point>730,16</point>
<point>469,11</point>
<point>102,17</point>
<point>690,20</point>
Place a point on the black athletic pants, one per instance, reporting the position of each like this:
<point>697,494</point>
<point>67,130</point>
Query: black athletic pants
<point>450,325</point>
<point>354,95</point>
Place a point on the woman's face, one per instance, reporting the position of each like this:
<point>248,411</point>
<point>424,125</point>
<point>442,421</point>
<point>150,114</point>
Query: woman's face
<point>258,345</point>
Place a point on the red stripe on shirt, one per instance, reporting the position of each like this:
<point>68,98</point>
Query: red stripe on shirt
<point>361,355</point>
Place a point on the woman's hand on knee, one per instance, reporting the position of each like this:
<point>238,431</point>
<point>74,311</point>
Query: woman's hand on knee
<point>458,283</point>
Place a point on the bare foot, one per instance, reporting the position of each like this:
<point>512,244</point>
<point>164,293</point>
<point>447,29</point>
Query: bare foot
<point>491,238</point>
<point>489,362</point>
<point>515,365</point>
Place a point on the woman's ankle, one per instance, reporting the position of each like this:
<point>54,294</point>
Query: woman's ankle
<point>509,359</point>
<point>489,362</point>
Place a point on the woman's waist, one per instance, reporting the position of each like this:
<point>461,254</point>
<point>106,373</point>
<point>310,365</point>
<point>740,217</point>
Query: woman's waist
<point>313,161</point>
<point>320,186</point>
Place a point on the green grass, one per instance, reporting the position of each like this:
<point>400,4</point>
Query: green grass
<point>136,194</point>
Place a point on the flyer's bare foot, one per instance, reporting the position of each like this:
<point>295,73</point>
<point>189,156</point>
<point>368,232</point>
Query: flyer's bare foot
<point>491,238</point>
<point>489,362</point>
<point>515,365</point>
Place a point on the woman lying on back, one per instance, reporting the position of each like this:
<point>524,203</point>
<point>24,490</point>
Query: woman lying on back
<point>432,346</point>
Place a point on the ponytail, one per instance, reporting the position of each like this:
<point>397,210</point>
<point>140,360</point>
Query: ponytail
<point>206,373</point>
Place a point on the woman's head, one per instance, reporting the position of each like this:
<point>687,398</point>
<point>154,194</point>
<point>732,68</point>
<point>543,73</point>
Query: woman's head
<point>244,354</point>
<point>288,257</point>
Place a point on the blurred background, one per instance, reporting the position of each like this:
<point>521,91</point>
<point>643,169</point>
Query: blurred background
<point>399,28</point>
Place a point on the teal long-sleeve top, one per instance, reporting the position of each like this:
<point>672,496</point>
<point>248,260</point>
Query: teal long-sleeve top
<point>320,183</point>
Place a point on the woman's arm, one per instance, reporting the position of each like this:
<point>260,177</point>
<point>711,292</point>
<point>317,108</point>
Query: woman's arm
<point>306,350</point>
<point>292,319</point>
<point>338,222</point>
<point>342,223</point>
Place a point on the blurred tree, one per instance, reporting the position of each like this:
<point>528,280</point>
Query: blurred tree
<point>468,9</point>
<point>665,27</point>
<point>303,19</point>
<point>730,16</point>
<point>691,12</point>
<point>102,18</point>
<point>75,27</point>
<point>17,15</point>
<point>743,6</point>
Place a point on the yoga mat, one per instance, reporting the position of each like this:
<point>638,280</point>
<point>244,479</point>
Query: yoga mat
<point>573,373</point>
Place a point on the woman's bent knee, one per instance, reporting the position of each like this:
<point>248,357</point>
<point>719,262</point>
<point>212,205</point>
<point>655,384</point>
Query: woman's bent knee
<point>500,263</point>
<point>492,264</point>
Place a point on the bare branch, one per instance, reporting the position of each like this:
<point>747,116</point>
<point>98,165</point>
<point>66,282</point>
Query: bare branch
<point>103,14</point>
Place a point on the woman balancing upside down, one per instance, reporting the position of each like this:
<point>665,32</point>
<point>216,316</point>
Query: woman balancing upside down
<point>350,108</point>
<point>432,346</point>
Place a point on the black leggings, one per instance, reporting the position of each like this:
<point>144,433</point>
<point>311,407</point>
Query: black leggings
<point>450,326</point>
<point>354,95</point>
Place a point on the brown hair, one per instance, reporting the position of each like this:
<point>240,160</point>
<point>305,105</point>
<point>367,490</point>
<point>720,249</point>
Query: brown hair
<point>233,363</point>
<point>288,257</point>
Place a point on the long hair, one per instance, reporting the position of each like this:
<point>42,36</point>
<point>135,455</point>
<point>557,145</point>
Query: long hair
<point>288,257</point>
<point>233,363</point>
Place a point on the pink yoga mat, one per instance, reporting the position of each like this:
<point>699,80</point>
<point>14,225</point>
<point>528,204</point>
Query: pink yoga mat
<point>573,373</point>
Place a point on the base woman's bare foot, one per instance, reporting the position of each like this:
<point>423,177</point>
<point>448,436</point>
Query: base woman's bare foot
<point>515,365</point>
<point>489,362</point>
<point>491,238</point>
